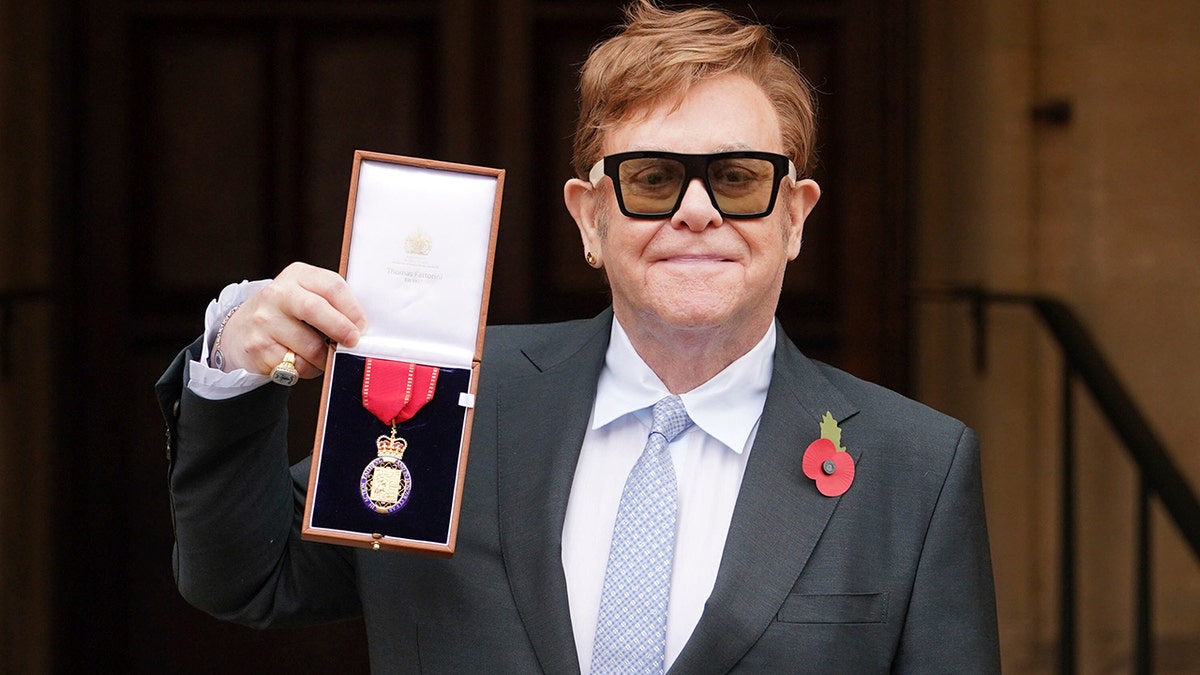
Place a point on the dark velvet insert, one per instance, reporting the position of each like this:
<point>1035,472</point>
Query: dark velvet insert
<point>434,437</point>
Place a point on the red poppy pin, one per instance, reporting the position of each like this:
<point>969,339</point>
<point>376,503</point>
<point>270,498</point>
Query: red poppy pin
<point>826,462</point>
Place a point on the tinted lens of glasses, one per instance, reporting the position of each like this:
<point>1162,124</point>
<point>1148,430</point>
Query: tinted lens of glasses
<point>740,186</point>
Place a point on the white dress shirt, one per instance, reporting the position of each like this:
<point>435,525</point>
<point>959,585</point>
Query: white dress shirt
<point>709,459</point>
<point>209,382</point>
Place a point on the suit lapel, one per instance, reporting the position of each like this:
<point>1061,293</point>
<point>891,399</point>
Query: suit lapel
<point>778,518</point>
<point>541,421</point>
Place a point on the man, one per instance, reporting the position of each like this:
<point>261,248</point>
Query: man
<point>693,142</point>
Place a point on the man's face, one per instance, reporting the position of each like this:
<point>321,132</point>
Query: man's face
<point>695,270</point>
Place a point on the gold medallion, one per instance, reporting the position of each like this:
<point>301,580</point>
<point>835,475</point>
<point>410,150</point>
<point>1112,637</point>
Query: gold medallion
<point>386,483</point>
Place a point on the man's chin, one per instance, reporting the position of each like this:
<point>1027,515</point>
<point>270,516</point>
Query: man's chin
<point>695,314</point>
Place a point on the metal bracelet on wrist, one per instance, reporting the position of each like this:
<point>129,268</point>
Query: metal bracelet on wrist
<point>216,359</point>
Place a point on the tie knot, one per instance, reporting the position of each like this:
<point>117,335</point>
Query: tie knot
<point>670,418</point>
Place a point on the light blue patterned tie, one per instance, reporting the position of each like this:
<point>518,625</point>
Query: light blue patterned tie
<point>632,627</point>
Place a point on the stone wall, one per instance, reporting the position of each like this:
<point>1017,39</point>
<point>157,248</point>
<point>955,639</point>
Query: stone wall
<point>1101,211</point>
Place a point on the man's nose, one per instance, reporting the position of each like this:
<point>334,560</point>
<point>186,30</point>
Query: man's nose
<point>697,210</point>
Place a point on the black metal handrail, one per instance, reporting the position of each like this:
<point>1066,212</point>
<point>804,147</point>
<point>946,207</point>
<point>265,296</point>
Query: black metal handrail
<point>1083,360</point>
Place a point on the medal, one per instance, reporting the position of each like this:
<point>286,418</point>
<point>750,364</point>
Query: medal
<point>388,392</point>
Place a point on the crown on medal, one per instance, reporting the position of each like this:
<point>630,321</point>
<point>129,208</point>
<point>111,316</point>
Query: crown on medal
<point>391,446</point>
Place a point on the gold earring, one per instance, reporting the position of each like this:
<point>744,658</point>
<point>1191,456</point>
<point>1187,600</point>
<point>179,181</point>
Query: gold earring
<point>590,258</point>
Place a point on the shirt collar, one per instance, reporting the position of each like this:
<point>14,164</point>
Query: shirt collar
<point>727,407</point>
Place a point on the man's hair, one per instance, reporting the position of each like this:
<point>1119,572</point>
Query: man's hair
<point>659,54</point>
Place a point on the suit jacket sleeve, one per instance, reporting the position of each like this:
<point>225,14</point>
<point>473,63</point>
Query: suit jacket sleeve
<point>236,509</point>
<point>951,621</point>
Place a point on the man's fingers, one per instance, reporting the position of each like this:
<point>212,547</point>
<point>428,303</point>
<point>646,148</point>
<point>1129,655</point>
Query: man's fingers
<point>334,290</point>
<point>308,345</point>
<point>299,311</point>
<point>322,299</point>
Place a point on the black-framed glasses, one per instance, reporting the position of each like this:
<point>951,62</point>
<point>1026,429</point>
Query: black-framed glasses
<point>651,183</point>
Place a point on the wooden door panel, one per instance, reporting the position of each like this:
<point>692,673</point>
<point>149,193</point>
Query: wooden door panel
<point>200,160</point>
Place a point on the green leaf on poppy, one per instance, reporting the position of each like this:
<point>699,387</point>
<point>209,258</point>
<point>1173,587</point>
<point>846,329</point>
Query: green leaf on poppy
<point>831,430</point>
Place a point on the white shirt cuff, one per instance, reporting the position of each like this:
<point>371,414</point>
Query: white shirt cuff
<point>211,383</point>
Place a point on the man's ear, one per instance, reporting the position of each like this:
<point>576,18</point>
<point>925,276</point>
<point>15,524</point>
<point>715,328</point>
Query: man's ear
<point>800,200</point>
<point>580,198</point>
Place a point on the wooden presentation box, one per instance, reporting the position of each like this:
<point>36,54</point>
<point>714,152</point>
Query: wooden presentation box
<point>418,248</point>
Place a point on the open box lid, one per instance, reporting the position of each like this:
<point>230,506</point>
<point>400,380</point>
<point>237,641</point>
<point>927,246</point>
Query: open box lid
<point>418,254</point>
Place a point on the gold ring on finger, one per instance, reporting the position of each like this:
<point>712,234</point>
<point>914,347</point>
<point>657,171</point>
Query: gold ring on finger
<point>285,373</point>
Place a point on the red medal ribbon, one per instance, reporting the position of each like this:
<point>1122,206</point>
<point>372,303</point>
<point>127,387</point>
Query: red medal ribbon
<point>394,391</point>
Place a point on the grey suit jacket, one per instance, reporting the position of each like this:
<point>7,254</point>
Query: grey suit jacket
<point>893,576</point>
